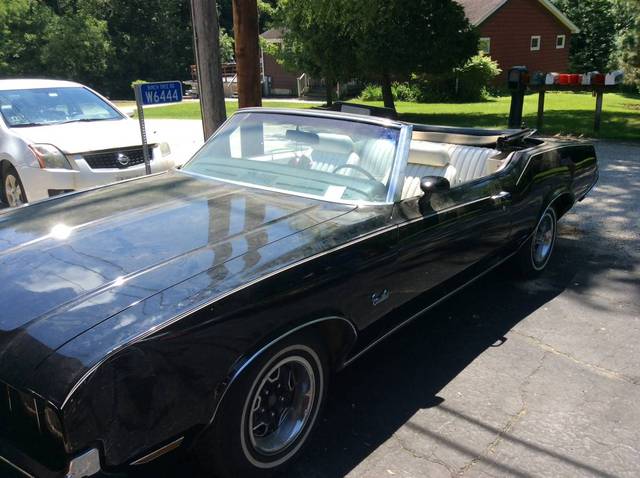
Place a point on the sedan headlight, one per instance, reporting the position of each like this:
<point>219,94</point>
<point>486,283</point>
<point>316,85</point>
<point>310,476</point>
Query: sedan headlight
<point>50,157</point>
<point>165,149</point>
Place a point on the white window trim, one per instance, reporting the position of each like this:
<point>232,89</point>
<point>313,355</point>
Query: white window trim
<point>488,41</point>
<point>564,41</point>
<point>531,42</point>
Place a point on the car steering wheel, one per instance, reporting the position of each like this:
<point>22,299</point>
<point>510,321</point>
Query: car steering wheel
<point>357,168</point>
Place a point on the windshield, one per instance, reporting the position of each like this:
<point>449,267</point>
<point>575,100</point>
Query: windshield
<point>44,106</point>
<point>332,159</point>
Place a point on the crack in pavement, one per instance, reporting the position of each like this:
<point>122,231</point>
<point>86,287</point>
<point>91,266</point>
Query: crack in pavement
<point>435,460</point>
<point>513,420</point>
<point>611,374</point>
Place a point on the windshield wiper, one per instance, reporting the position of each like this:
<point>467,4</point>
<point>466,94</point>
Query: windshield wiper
<point>26,125</point>
<point>86,120</point>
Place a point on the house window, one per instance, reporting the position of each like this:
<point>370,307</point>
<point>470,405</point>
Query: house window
<point>560,41</point>
<point>485,45</point>
<point>535,43</point>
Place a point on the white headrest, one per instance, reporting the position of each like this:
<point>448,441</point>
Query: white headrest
<point>428,154</point>
<point>334,143</point>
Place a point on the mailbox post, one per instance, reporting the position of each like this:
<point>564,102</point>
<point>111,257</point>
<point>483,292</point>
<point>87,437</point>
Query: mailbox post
<point>517,80</point>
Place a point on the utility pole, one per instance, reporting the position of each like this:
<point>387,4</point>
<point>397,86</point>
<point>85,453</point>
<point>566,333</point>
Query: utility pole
<point>206,45</point>
<point>245,28</point>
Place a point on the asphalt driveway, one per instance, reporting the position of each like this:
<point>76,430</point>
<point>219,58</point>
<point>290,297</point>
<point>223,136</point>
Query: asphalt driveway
<point>536,378</point>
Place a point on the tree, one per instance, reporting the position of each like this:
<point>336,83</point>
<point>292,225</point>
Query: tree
<point>628,48</point>
<point>266,9</point>
<point>151,40</point>
<point>592,48</point>
<point>317,40</point>
<point>395,38</point>
<point>76,47</point>
<point>227,47</point>
<point>21,25</point>
<point>38,41</point>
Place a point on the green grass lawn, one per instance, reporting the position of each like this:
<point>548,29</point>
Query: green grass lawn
<point>191,109</point>
<point>565,113</point>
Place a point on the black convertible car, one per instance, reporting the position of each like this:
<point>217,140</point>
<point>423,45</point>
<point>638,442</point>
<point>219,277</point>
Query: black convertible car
<point>204,308</point>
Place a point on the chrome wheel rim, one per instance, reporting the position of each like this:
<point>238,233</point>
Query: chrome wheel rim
<point>543,240</point>
<point>282,405</point>
<point>13,191</point>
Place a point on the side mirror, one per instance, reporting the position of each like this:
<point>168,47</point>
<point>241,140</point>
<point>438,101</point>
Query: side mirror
<point>433,184</point>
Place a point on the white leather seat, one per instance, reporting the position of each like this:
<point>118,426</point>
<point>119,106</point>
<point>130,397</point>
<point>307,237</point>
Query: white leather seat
<point>426,159</point>
<point>376,157</point>
<point>332,150</point>
<point>471,162</point>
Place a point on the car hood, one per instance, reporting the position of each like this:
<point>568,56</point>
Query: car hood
<point>72,138</point>
<point>69,264</point>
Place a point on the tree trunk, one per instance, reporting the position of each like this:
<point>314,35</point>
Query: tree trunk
<point>329,89</point>
<point>206,45</point>
<point>245,27</point>
<point>387,94</point>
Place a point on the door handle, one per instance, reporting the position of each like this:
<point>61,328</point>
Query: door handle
<point>378,298</point>
<point>501,196</point>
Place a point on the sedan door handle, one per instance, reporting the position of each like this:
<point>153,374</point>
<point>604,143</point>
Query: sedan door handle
<point>501,196</point>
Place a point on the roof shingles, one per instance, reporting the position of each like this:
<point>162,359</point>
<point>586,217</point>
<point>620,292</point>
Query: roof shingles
<point>478,10</point>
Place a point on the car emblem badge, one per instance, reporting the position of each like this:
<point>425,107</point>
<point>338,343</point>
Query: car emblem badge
<point>123,159</point>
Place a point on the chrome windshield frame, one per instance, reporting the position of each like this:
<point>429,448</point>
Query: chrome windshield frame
<point>396,177</point>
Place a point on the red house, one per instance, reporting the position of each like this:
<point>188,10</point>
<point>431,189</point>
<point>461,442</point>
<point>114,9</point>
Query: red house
<point>533,33</point>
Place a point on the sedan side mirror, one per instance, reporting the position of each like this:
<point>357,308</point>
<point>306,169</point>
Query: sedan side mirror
<point>432,184</point>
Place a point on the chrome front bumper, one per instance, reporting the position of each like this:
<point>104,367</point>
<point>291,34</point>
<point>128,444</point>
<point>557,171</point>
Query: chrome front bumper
<point>84,465</point>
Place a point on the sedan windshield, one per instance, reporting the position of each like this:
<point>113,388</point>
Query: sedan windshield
<point>332,159</point>
<point>44,106</point>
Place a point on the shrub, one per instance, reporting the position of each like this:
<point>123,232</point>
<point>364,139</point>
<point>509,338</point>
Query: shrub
<point>471,82</point>
<point>405,92</point>
<point>401,92</point>
<point>475,77</point>
<point>371,93</point>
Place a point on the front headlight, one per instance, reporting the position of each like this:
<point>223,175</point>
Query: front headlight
<point>50,157</point>
<point>165,149</point>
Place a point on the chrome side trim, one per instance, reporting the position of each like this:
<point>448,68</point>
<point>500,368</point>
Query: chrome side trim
<point>35,407</point>
<point>526,166</point>
<point>159,452</point>
<point>396,179</point>
<point>87,464</point>
<point>248,361</point>
<point>447,209</point>
<point>16,467</point>
<point>426,309</point>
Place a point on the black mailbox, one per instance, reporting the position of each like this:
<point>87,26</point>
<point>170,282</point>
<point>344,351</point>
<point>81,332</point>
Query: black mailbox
<point>518,78</point>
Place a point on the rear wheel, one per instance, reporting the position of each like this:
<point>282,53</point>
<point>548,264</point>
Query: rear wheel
<point>535,254</point>
<point>12,189</point>
<point>268,413</point>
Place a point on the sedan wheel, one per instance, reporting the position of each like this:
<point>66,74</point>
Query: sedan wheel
<point>543,240</point>
<point>268,413</point>
<point>535,254</point>
<point>12,188</point>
